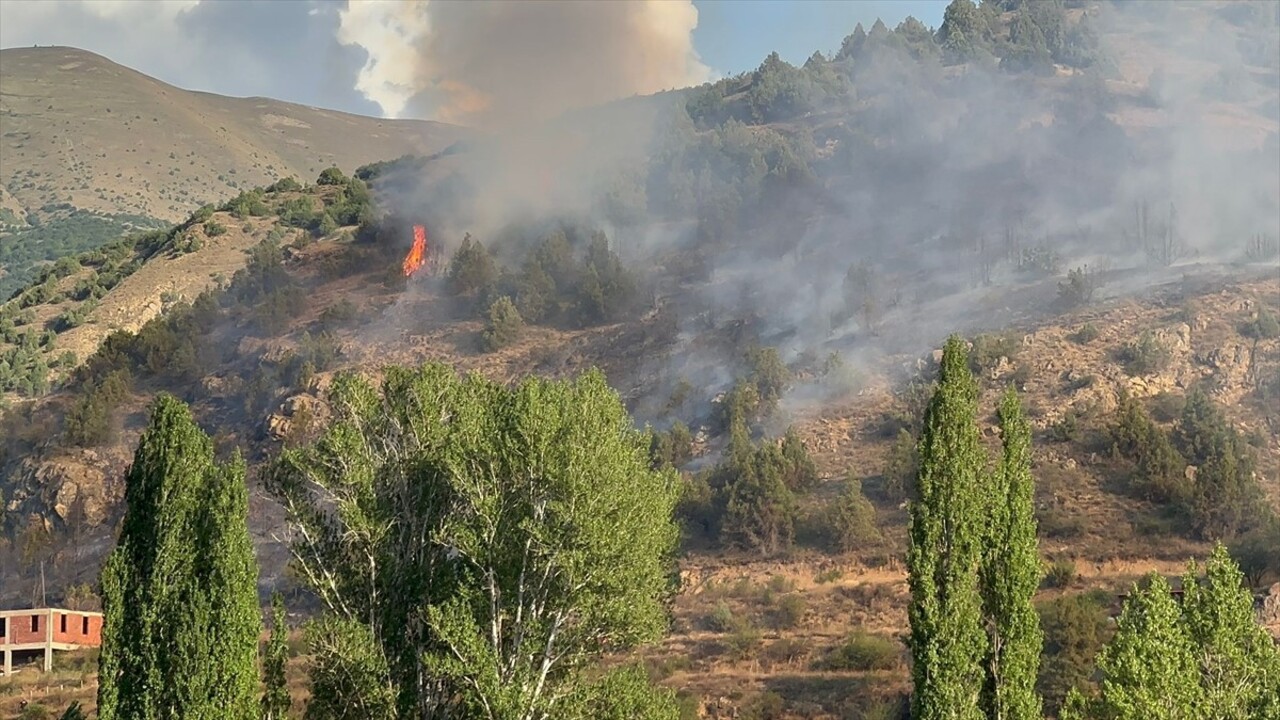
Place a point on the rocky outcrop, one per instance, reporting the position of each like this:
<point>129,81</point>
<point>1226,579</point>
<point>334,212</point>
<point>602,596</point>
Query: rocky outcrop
<point>80,487</point>
<point>300,412</point>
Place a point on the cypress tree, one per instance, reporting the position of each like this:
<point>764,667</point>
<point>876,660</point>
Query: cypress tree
<point>947,638</point>
<point>276,699</point>
<point>1010,576</point>
<point>174,589</point>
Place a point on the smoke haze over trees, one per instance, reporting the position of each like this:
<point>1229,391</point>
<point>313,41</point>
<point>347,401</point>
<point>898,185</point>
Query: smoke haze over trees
<point>1018,143</point>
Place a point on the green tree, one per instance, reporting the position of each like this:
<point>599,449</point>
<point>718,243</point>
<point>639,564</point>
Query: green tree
<point>488,542</point>
<point>1239,662</point>
<point>504,324</point>
<point>853,518</point>
<point>275,697</point>
<point>1010,575</point>
<point>179,590</point>
<point>471,269</point>
<point>947,639</point>
<point>1149,669</point>
<point>349,675</point>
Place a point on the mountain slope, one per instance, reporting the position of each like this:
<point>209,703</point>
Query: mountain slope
<point>79,128</point>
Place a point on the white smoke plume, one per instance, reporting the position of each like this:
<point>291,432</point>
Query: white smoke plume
<point>496,63</point>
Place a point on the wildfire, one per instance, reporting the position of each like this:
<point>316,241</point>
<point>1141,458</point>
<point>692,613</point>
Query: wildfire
<point>418,253</point>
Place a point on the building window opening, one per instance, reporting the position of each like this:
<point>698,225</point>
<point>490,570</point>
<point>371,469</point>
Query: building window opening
<point>35,623</point>
<point>4,626</point>
<point>63,628</point>
<point>84,625</point>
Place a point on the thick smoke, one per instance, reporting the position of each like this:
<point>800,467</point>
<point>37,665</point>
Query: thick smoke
<point>938,199</point>
<point>498,63</point>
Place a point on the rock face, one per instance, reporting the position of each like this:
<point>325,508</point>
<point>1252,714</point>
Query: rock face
<point>303,409</point>
<point>1269,613</point>
<point>80,487</point>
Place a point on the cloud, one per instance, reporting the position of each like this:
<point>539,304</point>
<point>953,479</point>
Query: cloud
<point>494,63</point>
<point>283,50</point>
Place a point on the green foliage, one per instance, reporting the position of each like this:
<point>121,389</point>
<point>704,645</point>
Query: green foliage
<point>760,509</point>
<point>70,232</point>
<point>179,591</point>
<point>852,518</point>
<point>472,271</point>
<point>1263,326</point>
<point>1145,355</point>
<point>673,447</point>
<point>1258,551</point>
<point>947,640</point>
<point>285,184</point>
<point>331,176</point>
<point>1075,629</point>
<point>900,467</point>
<point>511,618</point>
<point>623,694</point>
<point>275,697</point>
<point>1060,573</point>
<point>1010,575</point>
<point>1149,668</point>
<point>1158,470</point>
<point>1078,288</point>
<point>247,204</point>
<point>504,324</point>
<point>1085,335</point>
<point>213,228</point>
<point>73,712</point>
<point>1225,494</point>
<point>91,420</point>
<point>35,711</point>
<point>1206,657</point>
<point>988,349</point>
<point>1239,662</point>
<point>349,675</point>
<point>865,652</point>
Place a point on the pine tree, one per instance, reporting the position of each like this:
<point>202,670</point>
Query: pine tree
<point>947,638</point>
<point>179,590</point>
<point>1239,662</point>
<point>1010,576</point>
<point>276,699</point>
<point>1149,669</point>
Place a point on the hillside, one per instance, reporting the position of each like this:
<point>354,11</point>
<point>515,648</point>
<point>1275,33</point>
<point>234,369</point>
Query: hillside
<point>763,267</point>
<point>89,148</point>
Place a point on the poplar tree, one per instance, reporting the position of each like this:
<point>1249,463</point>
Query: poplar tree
<point>1010,576</point>
<point>179,590</point>
<point>1149,669</point>
<point>275,698</point>
<point>947,638</point>
<point>1239,662</point>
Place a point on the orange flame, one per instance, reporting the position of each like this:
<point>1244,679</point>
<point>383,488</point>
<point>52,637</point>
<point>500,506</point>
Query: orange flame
<point>418,253</point>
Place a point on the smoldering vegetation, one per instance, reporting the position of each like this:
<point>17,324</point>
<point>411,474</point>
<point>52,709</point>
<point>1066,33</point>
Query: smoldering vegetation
<point>1024,158</point>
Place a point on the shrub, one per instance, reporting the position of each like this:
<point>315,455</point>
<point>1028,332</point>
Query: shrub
<point>1060,574</point>
<point>1075,629</point>
<point>285,184</point>
<point>1079,287</point>
<point>901,466</point>
<point>331,176</point>
<point>852,519</point>
<point>504,324</point>
<point>988,349</point>
<point>213,228</point>
<point>1085,335</point>
<point>1065,429</point>
<point>789,611</point>
<point>863,651</point>
<point>338,314</point>
<point>1146,355</point>
<point>1158,469</point>
<point>672,448</point>
<point>1262,326</point>
<point>471,269</point>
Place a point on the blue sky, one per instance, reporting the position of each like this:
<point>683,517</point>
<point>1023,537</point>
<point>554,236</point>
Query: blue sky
<point>735,35</point>
<point>318,52</point>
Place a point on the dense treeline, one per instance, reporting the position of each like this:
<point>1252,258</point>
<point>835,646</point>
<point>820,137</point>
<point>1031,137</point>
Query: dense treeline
<point>67,233</point>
